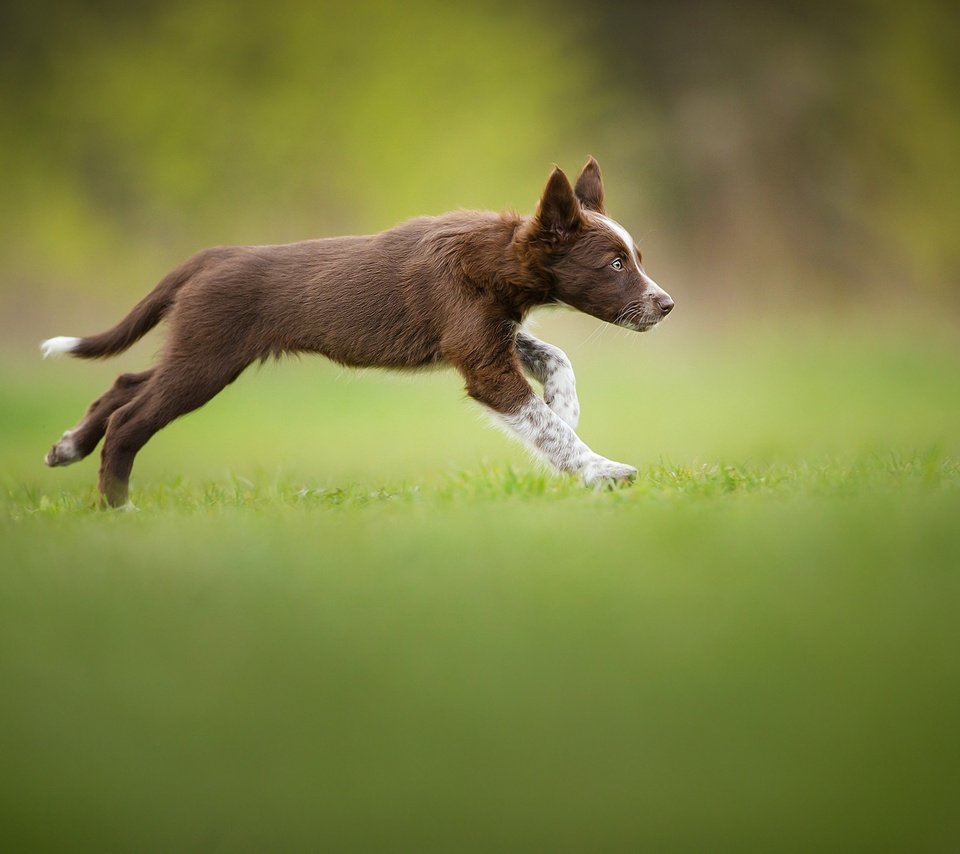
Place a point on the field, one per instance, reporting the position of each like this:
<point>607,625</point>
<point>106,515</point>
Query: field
<point>350,616</point>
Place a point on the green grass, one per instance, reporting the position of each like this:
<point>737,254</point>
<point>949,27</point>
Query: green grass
<point>350,616</point>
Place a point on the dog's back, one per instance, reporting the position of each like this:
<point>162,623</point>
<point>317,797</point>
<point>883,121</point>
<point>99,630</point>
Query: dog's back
<point>381,300</point>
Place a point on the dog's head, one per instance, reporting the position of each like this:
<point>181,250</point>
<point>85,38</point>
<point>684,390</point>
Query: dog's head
<point>591,261</point>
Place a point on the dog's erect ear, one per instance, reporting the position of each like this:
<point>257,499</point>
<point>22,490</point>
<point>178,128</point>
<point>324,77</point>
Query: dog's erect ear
<point>590,187</point>
<point>559,214</point>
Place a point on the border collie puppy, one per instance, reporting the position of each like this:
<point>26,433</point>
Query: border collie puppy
<point>452,289</point>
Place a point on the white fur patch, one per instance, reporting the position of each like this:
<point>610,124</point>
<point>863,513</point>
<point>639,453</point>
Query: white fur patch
<point>623,235</point>
<point>64,452</point>
<point>651,288</point>
<point>560,394</point>
<point>59,345</point>
<point>547,434</point>
<point>550,366</point>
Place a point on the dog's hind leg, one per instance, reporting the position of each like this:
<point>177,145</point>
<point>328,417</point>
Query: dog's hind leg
<point>175,389</point>
<point>550,366</point>
<point>80,441</point>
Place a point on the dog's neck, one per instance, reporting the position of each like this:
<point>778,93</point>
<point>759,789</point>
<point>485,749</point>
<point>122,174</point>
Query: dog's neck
<point>498,260</point>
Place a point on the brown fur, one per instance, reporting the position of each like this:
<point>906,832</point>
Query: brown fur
<point>451,289</point>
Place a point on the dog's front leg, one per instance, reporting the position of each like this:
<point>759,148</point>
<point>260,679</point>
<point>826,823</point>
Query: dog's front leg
<point>550,366</point>
<point>507,393</point>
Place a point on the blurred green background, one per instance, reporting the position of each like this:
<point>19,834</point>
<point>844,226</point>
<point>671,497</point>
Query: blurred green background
<point>350,615</point>
<point>796,151</point>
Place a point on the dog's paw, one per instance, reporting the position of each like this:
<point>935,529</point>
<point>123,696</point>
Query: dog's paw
<point>63,453</point>
<point>603,472</point>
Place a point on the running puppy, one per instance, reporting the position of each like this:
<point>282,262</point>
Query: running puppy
<point>452,289</point>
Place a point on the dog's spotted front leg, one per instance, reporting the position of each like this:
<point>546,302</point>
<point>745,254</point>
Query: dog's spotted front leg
<point>550,366</point>
<point>544,430</point>
<point>508,394</point>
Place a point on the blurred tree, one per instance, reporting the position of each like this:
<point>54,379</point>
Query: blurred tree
<point>812,144</point>
<point>816,139</point>
<point>138,136</point>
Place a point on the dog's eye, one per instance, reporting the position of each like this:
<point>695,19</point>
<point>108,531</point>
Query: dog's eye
<point>617,264</point>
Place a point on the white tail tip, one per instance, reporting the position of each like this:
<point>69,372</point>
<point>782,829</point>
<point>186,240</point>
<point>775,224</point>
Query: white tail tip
<point>59,345</point>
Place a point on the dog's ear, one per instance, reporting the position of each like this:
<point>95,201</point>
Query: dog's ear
<point>559,214</point>
<point>590,187</point>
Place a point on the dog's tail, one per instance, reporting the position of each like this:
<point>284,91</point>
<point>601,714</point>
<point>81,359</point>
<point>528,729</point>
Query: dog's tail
<point>145,315</point>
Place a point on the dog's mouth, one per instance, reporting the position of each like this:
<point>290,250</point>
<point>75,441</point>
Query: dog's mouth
<point>642,323</point>
<point>641,316</point>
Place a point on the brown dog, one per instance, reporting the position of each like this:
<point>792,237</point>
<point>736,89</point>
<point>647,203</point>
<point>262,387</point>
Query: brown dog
<point>452,289</point>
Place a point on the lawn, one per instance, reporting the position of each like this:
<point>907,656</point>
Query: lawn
<point>351,616</point>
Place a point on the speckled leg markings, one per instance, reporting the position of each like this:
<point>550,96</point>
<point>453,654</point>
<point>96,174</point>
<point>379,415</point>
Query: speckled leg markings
<point>550,366</point>
<point>544,430</point>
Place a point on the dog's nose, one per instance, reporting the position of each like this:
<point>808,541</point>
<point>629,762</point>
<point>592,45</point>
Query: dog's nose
<point>665,304</point>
